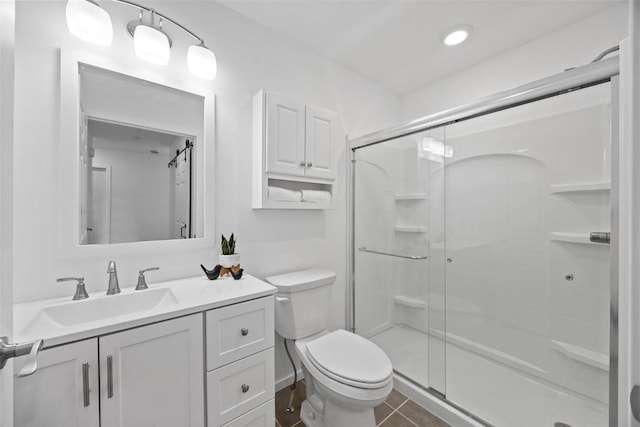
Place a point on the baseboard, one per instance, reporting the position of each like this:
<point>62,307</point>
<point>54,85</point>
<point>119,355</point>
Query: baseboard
<point>286,381</point>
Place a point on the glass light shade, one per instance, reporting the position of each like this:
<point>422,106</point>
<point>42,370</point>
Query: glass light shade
<point>90,22</point>
<point>202,62</point>
<point>151,45</point>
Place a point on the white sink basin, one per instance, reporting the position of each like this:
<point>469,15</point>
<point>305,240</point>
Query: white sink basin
<point>97,308</point>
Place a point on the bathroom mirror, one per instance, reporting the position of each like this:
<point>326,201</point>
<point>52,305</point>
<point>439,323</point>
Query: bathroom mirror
<point>138,148</point>
<point>116,113</point>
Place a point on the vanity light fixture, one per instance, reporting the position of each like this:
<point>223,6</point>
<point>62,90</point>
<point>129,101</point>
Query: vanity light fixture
<point>88,21</point>
<point>456,35</point>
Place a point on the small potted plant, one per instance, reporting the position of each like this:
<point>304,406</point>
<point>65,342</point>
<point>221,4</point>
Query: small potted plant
<point>228,256</point>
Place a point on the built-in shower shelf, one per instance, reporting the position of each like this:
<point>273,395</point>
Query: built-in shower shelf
<point>580,354</point>
<point>580,238</point>
<point>410,228</point>
<point>410,196</point>
<point>409,301</point>
<point>576,188</point>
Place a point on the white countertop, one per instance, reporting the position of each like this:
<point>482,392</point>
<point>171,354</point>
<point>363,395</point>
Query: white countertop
<point>186,296</point>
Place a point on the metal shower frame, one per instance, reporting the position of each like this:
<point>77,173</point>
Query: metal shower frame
<point>594,73</point>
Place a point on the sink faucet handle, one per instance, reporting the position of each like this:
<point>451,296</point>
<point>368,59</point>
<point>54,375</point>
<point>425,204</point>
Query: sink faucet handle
<point>142,282</point>
<point>81,292</point>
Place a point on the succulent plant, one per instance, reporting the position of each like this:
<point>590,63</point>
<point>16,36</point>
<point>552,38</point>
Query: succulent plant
<point>228,247</point>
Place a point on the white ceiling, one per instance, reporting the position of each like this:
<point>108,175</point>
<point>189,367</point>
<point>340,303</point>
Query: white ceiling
<point>396,43</point>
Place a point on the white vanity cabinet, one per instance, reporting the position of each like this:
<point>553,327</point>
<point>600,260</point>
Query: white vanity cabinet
<point>240,364</point>
<point>63,391</point>
<point>148,376</point>
<point>293,147</point>
<point>152,376</point>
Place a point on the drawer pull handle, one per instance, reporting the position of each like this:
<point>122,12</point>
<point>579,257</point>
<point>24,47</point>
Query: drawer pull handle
<point>245,388</point>
<point>244,332</point>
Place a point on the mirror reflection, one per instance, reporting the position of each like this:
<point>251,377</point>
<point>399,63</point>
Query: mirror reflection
<point>136,160</point>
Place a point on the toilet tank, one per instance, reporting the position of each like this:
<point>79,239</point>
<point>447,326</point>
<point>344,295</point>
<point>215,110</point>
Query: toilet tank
<point>303,302</point>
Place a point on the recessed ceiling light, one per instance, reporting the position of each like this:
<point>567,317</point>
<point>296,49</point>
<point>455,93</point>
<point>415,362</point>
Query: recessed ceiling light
<point>456,35</point>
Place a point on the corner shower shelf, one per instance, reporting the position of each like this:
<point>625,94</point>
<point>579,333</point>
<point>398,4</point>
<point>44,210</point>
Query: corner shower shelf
<point>410,228</point>
<point>583,355</point>
<point>409,301</point>
<point>410,196</point>
<point>583,187</point>
<point>580,238</point>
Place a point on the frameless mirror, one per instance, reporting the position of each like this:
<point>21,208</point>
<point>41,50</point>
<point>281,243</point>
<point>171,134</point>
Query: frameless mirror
<point>138,157</point>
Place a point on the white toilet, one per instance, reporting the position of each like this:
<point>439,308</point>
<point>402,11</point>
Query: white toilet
<point>346,376</point>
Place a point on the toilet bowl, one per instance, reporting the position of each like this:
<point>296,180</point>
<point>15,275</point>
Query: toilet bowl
<point>346,375</point>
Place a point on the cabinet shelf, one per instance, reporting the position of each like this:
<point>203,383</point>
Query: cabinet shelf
<point>579,188</point>
<point>410,228</point>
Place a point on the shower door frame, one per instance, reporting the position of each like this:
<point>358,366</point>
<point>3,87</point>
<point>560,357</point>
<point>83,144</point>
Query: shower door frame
<point>592,74</point>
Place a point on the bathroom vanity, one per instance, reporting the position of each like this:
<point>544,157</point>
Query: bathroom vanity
<point>188,352</point>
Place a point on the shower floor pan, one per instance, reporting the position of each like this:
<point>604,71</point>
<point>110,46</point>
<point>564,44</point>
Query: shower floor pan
<point>493,391</point>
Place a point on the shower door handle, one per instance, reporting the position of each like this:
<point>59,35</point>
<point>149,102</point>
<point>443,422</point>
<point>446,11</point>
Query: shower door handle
<point>600,237</point>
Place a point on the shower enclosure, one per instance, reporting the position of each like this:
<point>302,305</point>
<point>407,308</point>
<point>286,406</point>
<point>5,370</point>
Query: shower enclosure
<point>480,258</point>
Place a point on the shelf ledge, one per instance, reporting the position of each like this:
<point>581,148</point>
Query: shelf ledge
<point>409,301</point>
<point>577,188</point>
<point>579,238</point>
<point>410,228</point>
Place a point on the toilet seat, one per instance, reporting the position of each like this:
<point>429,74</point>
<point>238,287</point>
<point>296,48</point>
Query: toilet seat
<point>350,359</point>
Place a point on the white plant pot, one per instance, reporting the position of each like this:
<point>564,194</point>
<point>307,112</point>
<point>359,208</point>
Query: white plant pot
<point>229,261</point>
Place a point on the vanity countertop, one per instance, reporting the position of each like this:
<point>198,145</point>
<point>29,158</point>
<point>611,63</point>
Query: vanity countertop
<point>61,320</point>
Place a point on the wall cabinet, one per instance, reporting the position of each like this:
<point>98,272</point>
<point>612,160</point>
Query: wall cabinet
<point>293,148</point>
<point>147,376</point>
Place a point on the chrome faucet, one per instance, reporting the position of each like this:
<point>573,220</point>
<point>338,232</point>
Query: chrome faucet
<point>113,279</point>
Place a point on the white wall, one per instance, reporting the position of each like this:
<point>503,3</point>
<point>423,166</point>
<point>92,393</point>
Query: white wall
<point>569,47</point>
<point>249,57</point>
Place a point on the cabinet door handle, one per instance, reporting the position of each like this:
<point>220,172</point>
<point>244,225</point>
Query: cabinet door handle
<point>85,384</point>
<point>245,388</point>
<point>244,332</point>
<point>309,164</point>
<point>109,377</point>
<point>302,164</point>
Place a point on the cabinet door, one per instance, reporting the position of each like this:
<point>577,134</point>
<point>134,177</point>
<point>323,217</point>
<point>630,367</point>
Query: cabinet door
<point>153,375</point>
<point>320,133</point>
<point>285,136</point>
<point>63,392</point>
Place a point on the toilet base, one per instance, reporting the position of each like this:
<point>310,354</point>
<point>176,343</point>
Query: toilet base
<point>336,416</point>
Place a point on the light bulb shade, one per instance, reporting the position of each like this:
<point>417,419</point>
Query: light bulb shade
<point>151,44</point>
<point>202,62</point>
<point>90,22</point>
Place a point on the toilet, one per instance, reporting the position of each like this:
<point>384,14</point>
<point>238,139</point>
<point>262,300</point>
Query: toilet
<point>346,375</point>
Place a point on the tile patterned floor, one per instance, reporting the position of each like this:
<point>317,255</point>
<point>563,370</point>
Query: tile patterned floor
<point>396,411</point>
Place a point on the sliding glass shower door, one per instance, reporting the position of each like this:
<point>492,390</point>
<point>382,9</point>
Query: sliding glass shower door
<point>481,263</point>
<point>527,291</point>
<point>399,263</point>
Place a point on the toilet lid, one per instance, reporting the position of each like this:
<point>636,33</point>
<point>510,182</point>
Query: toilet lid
<point>350,359</point>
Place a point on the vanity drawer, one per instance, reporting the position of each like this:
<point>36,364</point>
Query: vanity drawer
<point>239,387</point>
<point>262,416</point>
<point>238,331</point>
